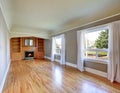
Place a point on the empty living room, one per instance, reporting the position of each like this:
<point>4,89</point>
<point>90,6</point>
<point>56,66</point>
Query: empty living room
<point>60,46</point>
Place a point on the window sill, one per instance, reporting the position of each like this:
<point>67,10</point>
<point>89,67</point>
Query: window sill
<point>57,54</point>
<point>97,61</point>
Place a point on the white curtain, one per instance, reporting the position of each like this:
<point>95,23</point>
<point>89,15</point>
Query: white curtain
<point>80,54</point>
<point>114,52</point>
<point>53,49</point>
<point>62,60</point>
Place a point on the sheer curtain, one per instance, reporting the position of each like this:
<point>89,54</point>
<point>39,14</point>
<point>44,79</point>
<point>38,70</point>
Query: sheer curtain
<point>80,54</point>
<point>114,52</point>
<point>62,55</point>
<point>63,49</point>
<point>53,49</point>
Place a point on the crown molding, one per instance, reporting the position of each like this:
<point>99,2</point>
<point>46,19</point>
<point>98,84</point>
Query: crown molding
<point>77,27</point>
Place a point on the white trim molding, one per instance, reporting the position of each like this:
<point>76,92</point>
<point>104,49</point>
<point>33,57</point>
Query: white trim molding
<point>46,57</point>
<point>97,72</point>
<point>17,31</point>
<point>82,25</point>
<point>4,78</point>
<point>71,64</point>
<point>56,60</point>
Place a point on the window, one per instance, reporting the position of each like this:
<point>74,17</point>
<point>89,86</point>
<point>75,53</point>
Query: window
<point>58,45</point>
<point>58,48</point>
<point>96,44</point>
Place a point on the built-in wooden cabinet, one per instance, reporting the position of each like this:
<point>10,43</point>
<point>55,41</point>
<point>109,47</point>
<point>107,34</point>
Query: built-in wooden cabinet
<point>40,45</point>
<point>40,48</point>
<point>18,48</point>
<point>15,45</point>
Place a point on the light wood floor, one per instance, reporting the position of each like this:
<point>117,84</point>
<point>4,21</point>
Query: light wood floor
<point>42,76</point>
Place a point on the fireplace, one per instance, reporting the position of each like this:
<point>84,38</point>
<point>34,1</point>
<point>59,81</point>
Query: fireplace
<point>29,55</point>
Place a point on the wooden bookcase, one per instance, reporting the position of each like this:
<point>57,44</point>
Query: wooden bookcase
<point>40,48</point>
<point>18,48</point>
<point>40,45</point>
<point>15,45</point>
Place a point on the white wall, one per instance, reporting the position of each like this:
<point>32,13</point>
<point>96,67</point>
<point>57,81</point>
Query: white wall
<point>4,50</point>
<point>6,8</point>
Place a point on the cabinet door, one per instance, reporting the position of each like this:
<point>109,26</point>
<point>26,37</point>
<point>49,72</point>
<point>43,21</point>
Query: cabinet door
<point>41,55</point>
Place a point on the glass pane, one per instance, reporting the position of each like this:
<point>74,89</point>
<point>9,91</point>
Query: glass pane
<point>96,39</point>
<point>58,51</point>
<point>90,54</point>
<point>103,55</point>
<point>58,42</point>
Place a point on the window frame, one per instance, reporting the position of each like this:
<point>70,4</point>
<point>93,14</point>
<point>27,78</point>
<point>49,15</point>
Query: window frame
<point>105,27</point>
<point>57,37</point>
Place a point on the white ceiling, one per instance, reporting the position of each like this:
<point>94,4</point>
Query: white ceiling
<point>57,15</point>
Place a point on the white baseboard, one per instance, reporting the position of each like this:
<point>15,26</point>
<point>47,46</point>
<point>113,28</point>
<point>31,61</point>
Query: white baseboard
<point>71,64</point>
<point>47,57</point>
<point>97,72</point>
<point>4,78</point>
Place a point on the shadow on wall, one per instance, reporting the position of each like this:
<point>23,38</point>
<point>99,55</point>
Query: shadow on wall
<point>4,50</point>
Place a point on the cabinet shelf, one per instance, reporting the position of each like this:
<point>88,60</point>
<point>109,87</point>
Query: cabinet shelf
<point>40,45</point>
<point>15,45</point>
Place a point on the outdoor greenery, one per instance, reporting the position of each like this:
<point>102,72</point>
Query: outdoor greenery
<point>101,55</point>
<point>94,53</point>
<point>102,40</point>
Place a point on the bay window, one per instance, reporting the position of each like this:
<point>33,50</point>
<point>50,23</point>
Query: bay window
<point>96,44</point>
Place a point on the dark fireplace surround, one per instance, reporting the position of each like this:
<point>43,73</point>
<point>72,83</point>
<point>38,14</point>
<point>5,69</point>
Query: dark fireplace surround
<point>29,55</point>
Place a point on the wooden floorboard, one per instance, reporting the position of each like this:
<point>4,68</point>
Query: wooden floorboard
<point>43,76</point>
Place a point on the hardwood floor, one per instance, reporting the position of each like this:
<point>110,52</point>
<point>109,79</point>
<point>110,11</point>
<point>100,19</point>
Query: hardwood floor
<point>42,76</point>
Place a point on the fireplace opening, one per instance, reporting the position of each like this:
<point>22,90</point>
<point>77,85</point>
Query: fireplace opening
<point>29,55</point>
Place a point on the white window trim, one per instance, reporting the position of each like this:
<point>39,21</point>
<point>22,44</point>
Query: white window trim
<point>93,29</point>
<point>57,54</point>
<point>97,28</point>
<point>96,59</point>
<point>98,50</point>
